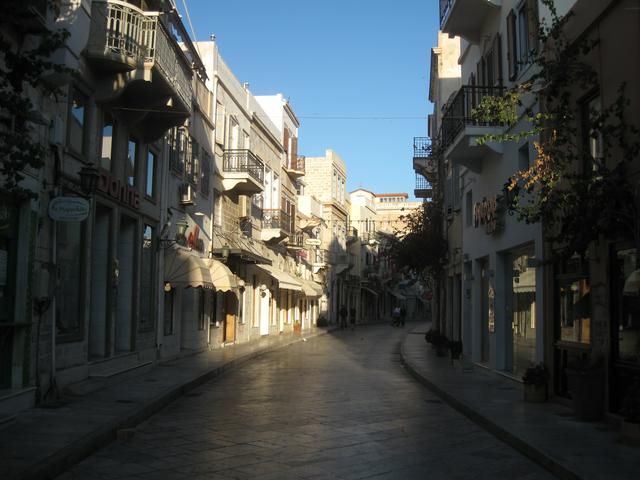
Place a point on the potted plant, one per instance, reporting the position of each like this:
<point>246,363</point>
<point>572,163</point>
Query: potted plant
<point>297,327</point>
<point>455,347</point>
<point>535,379</point>
<point>585,382</point>
<point>630,426</point>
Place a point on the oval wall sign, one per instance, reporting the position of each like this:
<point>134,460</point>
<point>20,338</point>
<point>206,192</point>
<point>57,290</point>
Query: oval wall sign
<point>68,209</point>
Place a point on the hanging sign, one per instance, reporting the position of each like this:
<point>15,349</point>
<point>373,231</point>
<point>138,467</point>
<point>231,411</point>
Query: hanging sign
<point>486,213</point>
<point>68,209</point>
<point>313,241</point>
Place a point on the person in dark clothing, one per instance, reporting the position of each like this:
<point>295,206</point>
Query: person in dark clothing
<point>343,317</point>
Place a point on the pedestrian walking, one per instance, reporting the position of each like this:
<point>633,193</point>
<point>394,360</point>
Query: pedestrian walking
<point>403,315</point>
<point>395,315</point>
<point>343,317</point>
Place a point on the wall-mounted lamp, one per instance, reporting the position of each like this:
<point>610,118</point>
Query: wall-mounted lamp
<point>225,252</point>
<point>89,178</point>
<point>180,238</point>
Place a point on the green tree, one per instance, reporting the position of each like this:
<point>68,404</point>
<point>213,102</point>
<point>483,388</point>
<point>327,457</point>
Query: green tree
<point>25,64</point>
<point>580,186</point>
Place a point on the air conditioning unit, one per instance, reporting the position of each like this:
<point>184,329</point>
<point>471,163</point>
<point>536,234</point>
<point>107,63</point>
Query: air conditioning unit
<point>187,194</point>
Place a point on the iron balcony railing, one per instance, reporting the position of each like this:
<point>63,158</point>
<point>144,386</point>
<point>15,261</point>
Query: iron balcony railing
<point>421,147</point>
<point>458,113</point>
<point>296,240</point>
<point>243,161</point>
<point>122,30</point>
<point>445,7</point>
<point>423,187</point>
<point>273,218</point>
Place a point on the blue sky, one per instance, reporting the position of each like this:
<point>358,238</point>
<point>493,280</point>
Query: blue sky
<point>355,71</point>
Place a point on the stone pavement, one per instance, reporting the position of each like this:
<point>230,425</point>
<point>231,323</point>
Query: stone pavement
<point>43,442</point>
<point>546,432</point>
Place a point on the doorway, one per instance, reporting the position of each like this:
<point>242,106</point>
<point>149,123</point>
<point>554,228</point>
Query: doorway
<point>125,292</point>
<point>100,261</point>
<point>486,297</point>
<point>230,309</point>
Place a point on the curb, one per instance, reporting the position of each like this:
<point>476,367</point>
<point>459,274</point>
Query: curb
<point>529,451</point>
<point>81,448</point>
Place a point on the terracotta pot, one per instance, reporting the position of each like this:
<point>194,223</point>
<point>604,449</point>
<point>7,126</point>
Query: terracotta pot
<point>535,393</point>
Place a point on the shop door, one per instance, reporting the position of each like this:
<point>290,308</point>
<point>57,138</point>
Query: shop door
<point>126,285</point>
<point>523,321</point>
<point>100,276</point>
<point>625,328</point>
<point>230,308</point>
<point>485,300</point>
<point>7,292</point>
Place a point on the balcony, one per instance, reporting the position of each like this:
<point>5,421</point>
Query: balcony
<point>352,234</point>
<point>144,66</point>
<point>423,187</point>
<point>295,168</point>
<point>425,161</point>
<point>465,18</point>
<point>460,131</point>
<point>276,225</point>
<point>243,172</point>
<point>296,241</point>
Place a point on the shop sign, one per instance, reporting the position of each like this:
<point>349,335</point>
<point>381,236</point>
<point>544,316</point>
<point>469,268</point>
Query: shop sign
<point>68,209</point>
<point>313,242</point>
<point>119,190</point>
<point>486,213</point>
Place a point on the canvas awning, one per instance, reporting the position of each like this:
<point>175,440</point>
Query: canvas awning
<point>311,288</point>
<point>285,280</point>
<point>184,268</point>
<point>223,279</point>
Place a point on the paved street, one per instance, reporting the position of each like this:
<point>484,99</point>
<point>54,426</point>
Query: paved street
<point>336,406</point>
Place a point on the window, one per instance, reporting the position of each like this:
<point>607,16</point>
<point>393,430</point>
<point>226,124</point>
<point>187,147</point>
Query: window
<point>107,143</point>
<point>512,49</point>
<point>527,31</point>
<point>627,305</point>
<point>592,137</point>
<point>523,157</point>
<point>206,172</point>
<point>69,248</point>
<point>191,160</point>
<point>132,161</point>
<point>146,278</point>
<point>77,121</point>
<point>151,174</point>
<point>168,312</point>
<point>201,310</point>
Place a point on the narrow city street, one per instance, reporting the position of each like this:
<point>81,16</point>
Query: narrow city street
<point>337,406</point>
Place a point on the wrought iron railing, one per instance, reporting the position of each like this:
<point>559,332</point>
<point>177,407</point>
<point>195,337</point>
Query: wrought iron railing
<point>273,218</point>
<point>296,240</point>
<point>243,161</point>
<point>421,147</point>
<point>124,30</point>
<point>458,113</point>
<point>423,187</point>
<point>445,7</point>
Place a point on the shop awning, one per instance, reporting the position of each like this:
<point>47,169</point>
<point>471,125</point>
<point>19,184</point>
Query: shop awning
<point>338,269</point>
<point>285,280</point>
<point>311,288</point>
<point>184,268</point>
<point>223,279</point>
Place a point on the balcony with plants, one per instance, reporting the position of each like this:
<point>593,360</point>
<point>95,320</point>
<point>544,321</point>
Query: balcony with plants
<point>242,172</point>
<point>461,129</point>
<point>142,64</point>
<point>465,18</point>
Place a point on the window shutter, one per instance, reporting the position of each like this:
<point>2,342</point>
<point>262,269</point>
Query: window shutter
<point>294,151</point>
<point>511,45</point>
<point>532,18</point>
<point>220,123</point>
<point>497,60</point>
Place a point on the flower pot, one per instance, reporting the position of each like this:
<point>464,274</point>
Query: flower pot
<point>535,393</point>
<point>630,432</point>
<point>587,393</point>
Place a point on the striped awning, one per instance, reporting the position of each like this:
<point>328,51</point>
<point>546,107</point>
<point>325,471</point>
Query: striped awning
<point>223,279</point>
<point>284,280</point>
<point>184,268</point>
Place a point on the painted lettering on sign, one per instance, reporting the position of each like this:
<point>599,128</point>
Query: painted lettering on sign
<point>486,213</point>
<point>194,241</point>
<point>118,189</point>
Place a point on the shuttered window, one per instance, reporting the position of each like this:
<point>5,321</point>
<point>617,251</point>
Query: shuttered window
<point>511,45</point>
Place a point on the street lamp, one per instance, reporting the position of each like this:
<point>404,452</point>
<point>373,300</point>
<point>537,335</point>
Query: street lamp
<point>180,238</point>
<point>89,178</point>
